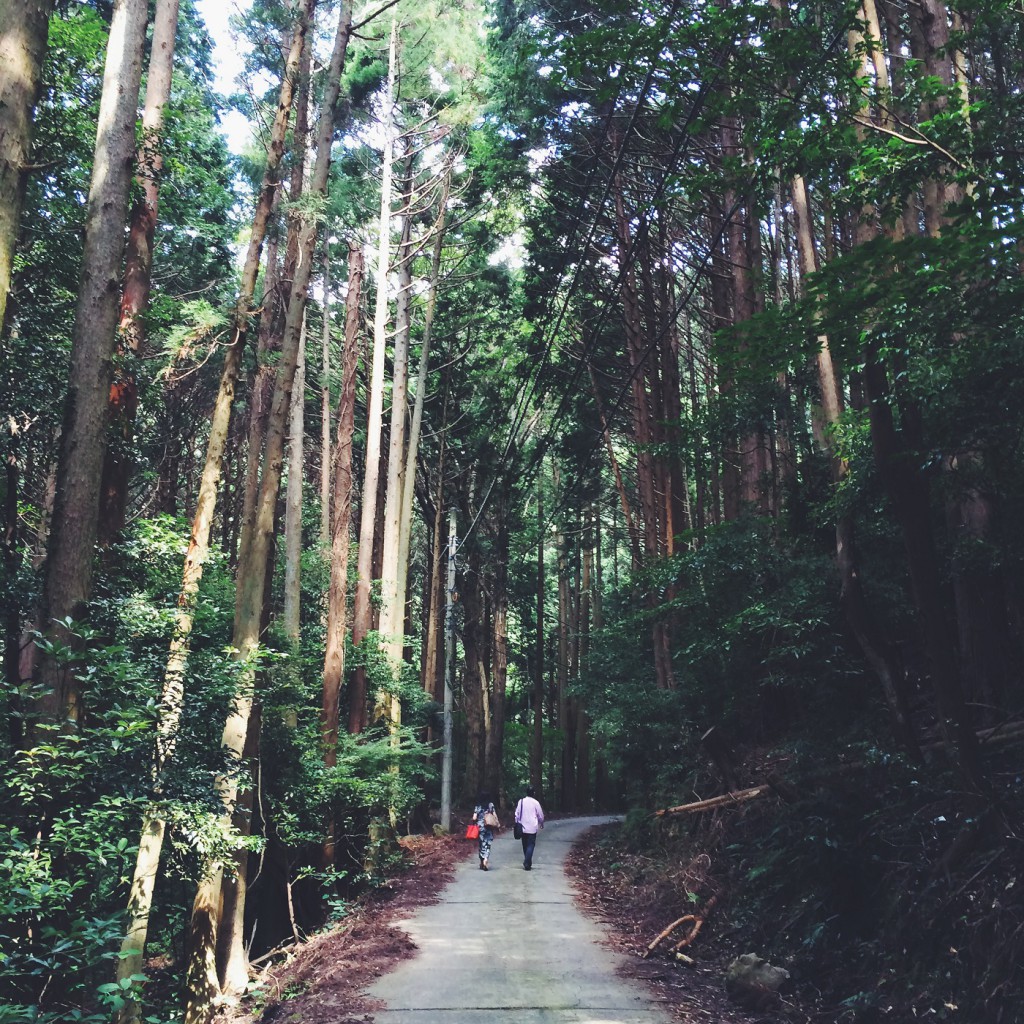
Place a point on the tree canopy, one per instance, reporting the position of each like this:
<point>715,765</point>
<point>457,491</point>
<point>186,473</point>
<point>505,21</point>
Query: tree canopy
<point>704,323</point>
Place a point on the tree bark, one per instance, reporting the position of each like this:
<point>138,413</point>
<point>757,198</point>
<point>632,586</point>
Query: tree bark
<point>537,744</point>
<point>23,36</point>
<point>68,584</point>
<point>325,399</point>
<point>433,669</point>
<point>392,579</point>
<point>584,795</point>
<point>362,612</point>
<point>291,617</point>
<point>124,392</point>
<point>337,608</point>
<point>415,428</point>
<point>620,487</point>
<point>278,281</point>
<point>565,788</point>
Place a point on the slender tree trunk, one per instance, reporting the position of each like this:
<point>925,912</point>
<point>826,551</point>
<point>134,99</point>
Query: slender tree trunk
<point>291,615</point>
<point>636,352</point>
<point>363,612</point>
<point>537,745</point>
<point>337,609</point>
<point>278,282</point>
<point>898,465</point>
<point>909,497</point>
<point>23,35</point>
<point>12,609</point>
<point>620,487</point>
<point>499,645</point>
<point>124,392</point>
<point>700,517</point>
<point>472,599</point>
<point>432,672</point>
<point>392,580</point>
<point>325,400</point>
<point>584,796</point>
<point>412,453</point>
<point>855,607</point>
<point>68,582</point>
<point>565,781</point>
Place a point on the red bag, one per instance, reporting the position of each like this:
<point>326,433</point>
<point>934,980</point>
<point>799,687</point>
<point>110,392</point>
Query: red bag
<point>472,831</point>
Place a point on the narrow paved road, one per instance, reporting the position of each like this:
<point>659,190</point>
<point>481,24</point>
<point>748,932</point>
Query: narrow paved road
<point>508,946</point>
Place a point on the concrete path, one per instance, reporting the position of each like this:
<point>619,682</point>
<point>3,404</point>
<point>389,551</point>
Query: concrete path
<point>508,946</point>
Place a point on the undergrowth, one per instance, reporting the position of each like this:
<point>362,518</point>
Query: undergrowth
<point>884,898</point>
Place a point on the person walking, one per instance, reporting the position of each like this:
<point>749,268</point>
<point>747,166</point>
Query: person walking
<point>486,818</point>
<point>529,819</point>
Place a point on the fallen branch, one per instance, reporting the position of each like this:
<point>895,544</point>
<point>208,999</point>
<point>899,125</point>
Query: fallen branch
<point>666,932</point>
<point>999,734</point>
<point>716,801</point>
<point>697,925</point>
<point>285,947</point>
<point>697,922</point>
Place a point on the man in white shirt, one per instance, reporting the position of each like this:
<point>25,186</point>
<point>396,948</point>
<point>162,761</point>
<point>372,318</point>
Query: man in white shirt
<point>530,818</point>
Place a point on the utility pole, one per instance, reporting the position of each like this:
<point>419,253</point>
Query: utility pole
<point>449,664</point>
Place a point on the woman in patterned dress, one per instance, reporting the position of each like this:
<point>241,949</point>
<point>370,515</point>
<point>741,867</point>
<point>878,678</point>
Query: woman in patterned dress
<point>483,805</point>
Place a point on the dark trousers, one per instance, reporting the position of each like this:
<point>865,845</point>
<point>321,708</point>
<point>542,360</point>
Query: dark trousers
<point>529,842</point>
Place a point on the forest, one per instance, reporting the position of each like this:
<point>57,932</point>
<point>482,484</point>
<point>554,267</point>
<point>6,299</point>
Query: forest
<point>621,398</point>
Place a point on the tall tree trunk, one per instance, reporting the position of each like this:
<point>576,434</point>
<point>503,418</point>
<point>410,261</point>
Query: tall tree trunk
<point>252,575</point>
<point>620,487</point>
<point>124,392</point>
<point>636,352</point>
<point>392,580</point>
<point>415,428</point>
<point>433,669</point>
<point>499,645</point>
<point>291,614</point>
<point>537,744</point>
<point>68,582</point>
<point>325,399</point>
<point>909,497</point>
<point>584,797</point>
<point>876,651</point>
<point>679,499</point>
<point>565,780</point>
<point>472,643</point>
<point>11,605</point>
<point>23,35</point>
<point>337,610</point>
<point>278,282</point>
<point>363,612</point>
<point>173,690</point>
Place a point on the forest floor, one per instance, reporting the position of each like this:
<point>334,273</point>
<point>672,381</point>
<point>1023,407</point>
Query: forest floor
<point>631,904</point>
<point>324,980</point>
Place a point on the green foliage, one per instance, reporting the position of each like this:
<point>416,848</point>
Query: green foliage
<point>755,651</point>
